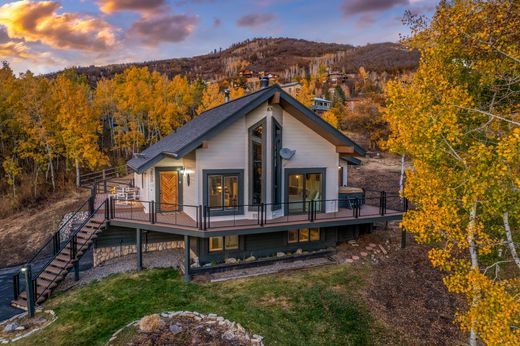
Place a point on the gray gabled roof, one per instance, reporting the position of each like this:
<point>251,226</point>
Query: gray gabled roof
<point>190,136</point>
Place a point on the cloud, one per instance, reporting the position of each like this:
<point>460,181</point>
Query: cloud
<point>216,22</point>
<point>163,28</point>
<point>3,34</point>
<point>353,7</point>
<point>40,22</point>
<point>255,19</point>
<point>111,6</point>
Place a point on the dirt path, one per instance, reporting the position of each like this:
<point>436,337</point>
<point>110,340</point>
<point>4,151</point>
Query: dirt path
<point>25,232</point>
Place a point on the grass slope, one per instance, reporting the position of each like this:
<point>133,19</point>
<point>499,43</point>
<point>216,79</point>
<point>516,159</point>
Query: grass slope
<point>315,307</point>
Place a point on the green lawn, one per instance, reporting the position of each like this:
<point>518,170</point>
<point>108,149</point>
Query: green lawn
<point>315,307</point>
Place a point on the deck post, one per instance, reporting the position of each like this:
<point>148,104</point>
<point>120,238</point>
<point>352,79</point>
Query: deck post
<point>27,270</point>
<point>76,270</point>
<point>403,237</point>
<point>139,249</point>
<point>187,276</point>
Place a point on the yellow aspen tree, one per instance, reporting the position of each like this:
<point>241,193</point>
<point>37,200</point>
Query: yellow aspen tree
<point>330,117</point>
<point>304,95</point>
<point>211,97</point>
<point>78,124</point>
<point>457,119</point>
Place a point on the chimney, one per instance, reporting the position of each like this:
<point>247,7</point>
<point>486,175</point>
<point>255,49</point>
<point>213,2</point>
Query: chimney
<point>264,82</point>
<point>226,95</point>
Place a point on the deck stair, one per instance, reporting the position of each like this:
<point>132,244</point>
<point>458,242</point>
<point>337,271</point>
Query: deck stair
<point>65,255</point>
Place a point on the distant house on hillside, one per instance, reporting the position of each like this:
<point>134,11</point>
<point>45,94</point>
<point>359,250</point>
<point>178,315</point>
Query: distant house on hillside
<point>321,105</point>
<point>292,89</point>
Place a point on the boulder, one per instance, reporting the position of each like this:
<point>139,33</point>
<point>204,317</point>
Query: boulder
<point>11,327</point>
<point>175,328</point>
<point>228,336</point>
<point>280,254</point>
<point>250,259</point>
<point>299,252</point>
<point>231,260</point>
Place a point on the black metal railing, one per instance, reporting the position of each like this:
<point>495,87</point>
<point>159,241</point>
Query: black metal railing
<point>50,248</point>
<point>203,217</point>
<point>74,251</point>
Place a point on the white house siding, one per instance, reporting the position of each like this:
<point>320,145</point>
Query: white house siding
<point>230,150</point>
<point>312,151</point>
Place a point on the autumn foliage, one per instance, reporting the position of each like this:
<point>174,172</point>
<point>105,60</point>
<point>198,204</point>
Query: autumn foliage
<point>457,119</point>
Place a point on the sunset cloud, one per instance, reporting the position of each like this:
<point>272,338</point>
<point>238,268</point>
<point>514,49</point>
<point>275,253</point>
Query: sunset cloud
<point>163,28</point>
<point>256,19</point>
<point>353,7</point>
<point>111,6</point>
<point>40,22</point>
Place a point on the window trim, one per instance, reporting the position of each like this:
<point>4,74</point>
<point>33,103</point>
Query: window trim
<point>224,248</point>
<point>250,139</point>
<point>303,171</point>
<point>276,171</point>
<point>224,172</point>
<point>309,240</point>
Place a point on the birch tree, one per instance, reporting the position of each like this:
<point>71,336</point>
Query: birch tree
<point>457,120</point>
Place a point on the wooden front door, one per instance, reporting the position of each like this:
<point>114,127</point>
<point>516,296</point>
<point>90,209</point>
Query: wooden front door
<point>169,190</point>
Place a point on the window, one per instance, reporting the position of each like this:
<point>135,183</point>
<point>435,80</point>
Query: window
<point>277,165</point>
<point>216,244</point>
<point>293,236</point>
<point>229,242</point>
<point>315,234</point>
<point>223,190</point>
<point>304,235</point>
<point>256,161</point>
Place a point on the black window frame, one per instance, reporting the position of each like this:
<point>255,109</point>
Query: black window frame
<point>262,141</point>
<point>276,162</point>
<point>239,209</point>
<point>309,235</point>
<point>224,248</point>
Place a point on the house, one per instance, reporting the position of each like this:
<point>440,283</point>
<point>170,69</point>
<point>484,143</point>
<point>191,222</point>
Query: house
<point>257,179</point>
<point>292,89</point>
<point>321,105</point>
<point>245,176</point>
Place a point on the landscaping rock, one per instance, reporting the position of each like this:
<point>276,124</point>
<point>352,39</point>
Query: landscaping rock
<point>20,328</point>
<point>175,329</point>
<point>228,336</point>
<point>231,260</point>
<point>151,323</point>
<point>250,259</point>
<point>280,254</point>
<point>355,258</point>
<point>11,327</point>
<point>364,254</point>
<point>195,265</point>
<point>299,252</point>
<point>349,260</point>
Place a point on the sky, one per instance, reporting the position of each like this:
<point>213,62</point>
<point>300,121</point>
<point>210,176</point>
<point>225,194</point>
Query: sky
<point>46,36</point>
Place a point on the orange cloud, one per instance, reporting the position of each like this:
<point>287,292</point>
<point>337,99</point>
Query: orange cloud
<point>39,22</point>
<point>111,6</point>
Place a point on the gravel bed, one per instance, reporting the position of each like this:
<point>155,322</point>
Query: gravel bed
<point>270,269</point>
<point>157,259</point>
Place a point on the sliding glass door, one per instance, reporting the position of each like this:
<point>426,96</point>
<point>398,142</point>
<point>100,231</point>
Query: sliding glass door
<point>302,188</point>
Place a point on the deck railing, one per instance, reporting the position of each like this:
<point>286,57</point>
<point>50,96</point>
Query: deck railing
<point>203,217</point>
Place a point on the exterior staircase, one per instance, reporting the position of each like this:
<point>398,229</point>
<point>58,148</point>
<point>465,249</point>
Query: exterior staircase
<point>64,255</point>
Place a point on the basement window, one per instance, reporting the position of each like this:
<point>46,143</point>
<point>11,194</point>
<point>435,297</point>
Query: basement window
<point>303,235</point>
<point>229,242</point>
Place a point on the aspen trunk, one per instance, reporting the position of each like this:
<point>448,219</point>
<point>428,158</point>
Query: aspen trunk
<point>401,179</point>
<point>76,162</point>
<point>474,266</point>
<point>509,237</point>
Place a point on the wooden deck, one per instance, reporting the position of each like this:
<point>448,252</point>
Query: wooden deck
<point>134,213</point>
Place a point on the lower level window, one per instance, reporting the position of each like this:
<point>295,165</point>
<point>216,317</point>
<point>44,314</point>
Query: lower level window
<point>223,243</point>
<point>231,242</point>
<point>303,235</point>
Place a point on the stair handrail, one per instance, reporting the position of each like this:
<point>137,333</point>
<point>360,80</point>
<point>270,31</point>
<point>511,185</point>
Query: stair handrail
<point>58,231</point>
<point>76,231</point>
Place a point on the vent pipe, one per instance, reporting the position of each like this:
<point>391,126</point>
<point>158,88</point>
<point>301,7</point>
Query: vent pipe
<point>226,95</point>
<point>264,82</point>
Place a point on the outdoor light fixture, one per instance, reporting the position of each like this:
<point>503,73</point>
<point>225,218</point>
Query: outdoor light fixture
<point>23,270</point>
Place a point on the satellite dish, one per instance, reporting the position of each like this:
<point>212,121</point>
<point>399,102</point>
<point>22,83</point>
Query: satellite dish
<point>287,153</point>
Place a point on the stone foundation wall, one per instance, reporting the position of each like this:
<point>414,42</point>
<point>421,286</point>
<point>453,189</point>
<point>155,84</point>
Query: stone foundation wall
<point>103,254</point>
